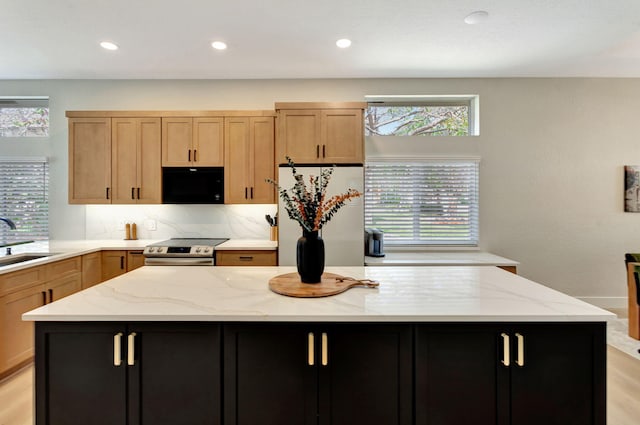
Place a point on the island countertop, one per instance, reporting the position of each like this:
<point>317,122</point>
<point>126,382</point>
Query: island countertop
<point>405,294</point>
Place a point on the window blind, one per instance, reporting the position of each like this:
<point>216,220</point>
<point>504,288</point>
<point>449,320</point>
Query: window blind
<point>423,202</point>
<point>24,187</point>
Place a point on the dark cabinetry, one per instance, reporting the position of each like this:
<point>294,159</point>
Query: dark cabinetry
<point>317,374</point>
<point>508,374</point>
<point>118,373</point>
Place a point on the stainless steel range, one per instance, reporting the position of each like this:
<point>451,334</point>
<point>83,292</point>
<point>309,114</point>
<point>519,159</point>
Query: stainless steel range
<point>182,252</point>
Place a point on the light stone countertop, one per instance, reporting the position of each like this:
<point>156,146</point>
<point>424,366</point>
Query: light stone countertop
<point>63,249</point>
<point>405,294</point>
<point>439,258</point>
<point>247,245</point>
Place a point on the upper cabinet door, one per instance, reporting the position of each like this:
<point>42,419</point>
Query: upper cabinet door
<point>299,136</point>
<point>136,168</point>
<point>177,136</point>
<point>262,156</point>
<point>149,164</point>
<point>236,170</point>
<point>342,136</point>
<point>89,160</point>
<point>124,159</point>
<point>208,144</point>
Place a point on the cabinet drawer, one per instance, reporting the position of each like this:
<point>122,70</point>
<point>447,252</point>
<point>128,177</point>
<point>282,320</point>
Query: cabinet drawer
<point>12,282</point>
<point>64,268</point>
<point>246,258</point>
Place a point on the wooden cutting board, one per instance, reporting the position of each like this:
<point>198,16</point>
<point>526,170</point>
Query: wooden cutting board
<point>290,285</point>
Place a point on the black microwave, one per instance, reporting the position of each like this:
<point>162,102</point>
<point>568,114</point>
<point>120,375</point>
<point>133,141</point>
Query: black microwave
<point>193,185</point>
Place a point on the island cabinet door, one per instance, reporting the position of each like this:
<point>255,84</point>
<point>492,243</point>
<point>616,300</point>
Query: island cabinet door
<point>80,374</point>
<point>460,377</point>
<point>270,375</point>
<point>365,374</point>
<point>174,374</point>
<point>558,374</point>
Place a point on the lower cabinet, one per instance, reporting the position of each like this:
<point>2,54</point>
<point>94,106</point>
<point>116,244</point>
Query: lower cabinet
<point>526,374</point>
<point>118,373</point>
<point>335,374</point>
<point>114,263</point>
<point>320,373</point>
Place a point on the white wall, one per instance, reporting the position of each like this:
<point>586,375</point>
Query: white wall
<point>551,172</point>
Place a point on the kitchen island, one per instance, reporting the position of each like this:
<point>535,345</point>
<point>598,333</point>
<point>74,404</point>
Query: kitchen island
<point>431,345</point>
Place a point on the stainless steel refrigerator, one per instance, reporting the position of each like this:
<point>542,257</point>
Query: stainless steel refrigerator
<point>343,235</point>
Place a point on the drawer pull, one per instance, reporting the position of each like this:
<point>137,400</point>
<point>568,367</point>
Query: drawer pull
<point>325,349</point>
<point>310,349</point>
<point>520,358</point>
<point>117,352</point>
<point>131,341</point>
<point>505,350</point>
<point>246,258</point>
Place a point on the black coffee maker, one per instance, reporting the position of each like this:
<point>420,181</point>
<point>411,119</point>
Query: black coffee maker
<point>374,242</point>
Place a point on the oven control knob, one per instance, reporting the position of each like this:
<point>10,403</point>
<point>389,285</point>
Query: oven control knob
<point>198,250</point>
<point>151,249</point>
<point>206,250</point>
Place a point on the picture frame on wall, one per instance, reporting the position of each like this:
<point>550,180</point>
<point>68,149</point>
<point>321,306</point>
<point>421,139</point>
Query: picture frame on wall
<point>632,188</point>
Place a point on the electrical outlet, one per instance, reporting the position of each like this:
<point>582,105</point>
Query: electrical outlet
<point>150,224</point>
<point>121,225</point>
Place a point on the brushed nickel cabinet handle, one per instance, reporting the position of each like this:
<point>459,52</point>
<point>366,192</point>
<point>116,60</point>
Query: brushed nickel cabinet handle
<point>520,358</point>
<point>506,355</point>
<point>310,349</point>
<point>131,341</point>
<point>325,349</point>
<point>117,353</point>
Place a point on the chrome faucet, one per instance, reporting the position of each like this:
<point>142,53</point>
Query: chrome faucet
<point>10,223</point>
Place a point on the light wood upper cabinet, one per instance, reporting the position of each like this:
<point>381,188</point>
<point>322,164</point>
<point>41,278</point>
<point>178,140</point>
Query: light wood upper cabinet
<point>320,133</point>
<point>188,142</point>
<point>89,160</point>
<point>136,165</point>
<point>249,160</point>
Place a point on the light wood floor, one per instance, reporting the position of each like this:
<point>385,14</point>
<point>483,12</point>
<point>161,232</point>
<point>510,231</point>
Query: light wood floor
<point>623,392</point>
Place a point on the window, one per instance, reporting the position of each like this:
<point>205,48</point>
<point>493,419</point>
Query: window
<point>421,116</point>
<point>24,117</point>
<point>423,201</point>
<point>24,185</point>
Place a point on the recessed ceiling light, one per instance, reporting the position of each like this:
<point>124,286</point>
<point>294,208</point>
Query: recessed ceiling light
<point>343,43</point>
<point>476,17</point>
<point>219,45</point>
<point>109,45</point>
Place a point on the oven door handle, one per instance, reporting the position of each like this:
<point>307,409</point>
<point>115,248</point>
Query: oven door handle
<point>169,261</point>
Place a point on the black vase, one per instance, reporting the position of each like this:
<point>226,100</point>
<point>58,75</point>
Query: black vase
<point>310,257</point>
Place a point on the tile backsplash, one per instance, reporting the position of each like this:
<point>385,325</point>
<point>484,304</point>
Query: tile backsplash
<point>219,221</point>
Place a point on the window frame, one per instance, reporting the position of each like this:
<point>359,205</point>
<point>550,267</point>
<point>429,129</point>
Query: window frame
<point>43,224</point>
<point>27,102</point>
<point>472,101</point>
<point>474,221</point>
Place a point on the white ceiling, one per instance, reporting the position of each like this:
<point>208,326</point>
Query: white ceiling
<point>296,38</point>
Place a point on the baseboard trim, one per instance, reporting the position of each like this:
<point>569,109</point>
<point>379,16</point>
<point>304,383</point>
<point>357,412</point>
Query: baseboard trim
<point>606,302</point>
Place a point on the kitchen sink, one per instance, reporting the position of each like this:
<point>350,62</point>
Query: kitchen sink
<point>21,258</point>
